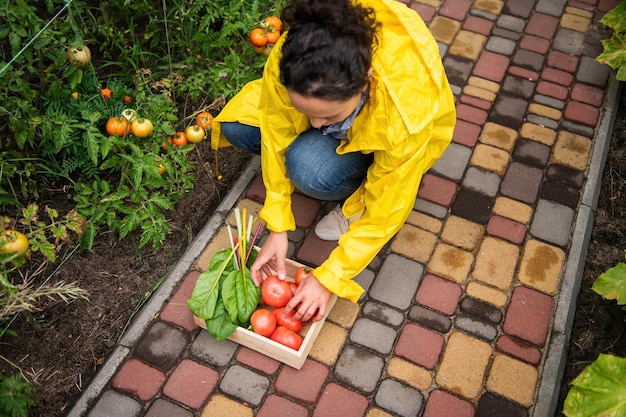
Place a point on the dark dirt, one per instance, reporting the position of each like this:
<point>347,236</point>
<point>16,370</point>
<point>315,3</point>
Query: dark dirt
<point>62,347</point>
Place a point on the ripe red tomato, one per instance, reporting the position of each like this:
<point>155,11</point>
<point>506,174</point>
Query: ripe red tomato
<point>286,337</point>
<point>204,120</point>
<point>274,22</point>
<point>293,286</point>
<point>272,36</point>
<point>179,139</point>
<point>258,37</point>
<point>118,126</point>
<point>302,273</point>
<point>275,292</point>
<point>288,322</point>
<point>263,322</point>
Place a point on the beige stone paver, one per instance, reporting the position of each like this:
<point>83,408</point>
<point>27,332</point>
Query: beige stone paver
<point>513,209</point>
<point>435,3</point>
<point>541,266</point>
<point>221,406</point>
<point>328,344</point>
<point>464,365</point>
<point>377,412</point>
<point>495,263</point>
<point>468,44</point>
<point>424,221</point>
<point>451,263</point>
<point>490,158</point>
<point>411,374</point>
<point>499,136</point>
<point>219,242</point>
<point>470,90</point>
<point>575,21</point>
<point>545,111</point>
<point>513,379</point>
<point>414,243</point>
<point>344,313</point>
<point>489,6</point>
<point>444,29</point>
<point>572,150</point>
<point>487,294</point>
<point>463,233</point>
<point>483,83</point>
<point>538,133</point>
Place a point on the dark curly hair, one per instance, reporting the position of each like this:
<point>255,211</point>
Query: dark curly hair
<point>328,50</point>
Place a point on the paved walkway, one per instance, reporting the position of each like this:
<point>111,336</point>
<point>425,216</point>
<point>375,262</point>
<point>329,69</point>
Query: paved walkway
<point>469,309</point>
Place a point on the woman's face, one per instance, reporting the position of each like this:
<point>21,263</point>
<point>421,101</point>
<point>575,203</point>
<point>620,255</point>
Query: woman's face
<point>323,112</point>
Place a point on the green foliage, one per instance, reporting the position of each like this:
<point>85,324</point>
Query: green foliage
<point>16,395</point>
<point>600,389</point>
<point>612,284</point>
<point>614,53</point>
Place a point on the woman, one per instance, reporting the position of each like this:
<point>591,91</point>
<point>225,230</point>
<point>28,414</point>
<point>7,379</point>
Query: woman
<point>353,106</point>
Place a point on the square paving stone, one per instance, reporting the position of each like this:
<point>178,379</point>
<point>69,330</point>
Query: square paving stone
<point>113,403</point>
<point>491,405</point>
<point>245,384</point>
<point>359,368</point>
<point>397,281</point>
<point>162,345</point>
<point>517,86</point>
<point>552,222</point>
<point>533,153</point>
<point>399,399</point>
<point>473,206</point>
<point>509,111</point>
<point>217,353</point>
<point>164,408</point>
<point>373,335</point>
<point>522,182</point>
<point>528,59</point>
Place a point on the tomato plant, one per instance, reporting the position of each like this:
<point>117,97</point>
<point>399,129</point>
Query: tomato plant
<point>204,120</point>
<point>263,322</point>
<point>275,292</point>
<point>117,126</point>
<point>258,37</point>
<point>286,337</point>
<point>195,134</point>
<point>302,273</point>
<point>141,127</point>
<point>287,321</point>
<point>179,139</point>
<point>12,241</point>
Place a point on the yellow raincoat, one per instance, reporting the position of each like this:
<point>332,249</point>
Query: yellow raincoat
<point>407,122</point>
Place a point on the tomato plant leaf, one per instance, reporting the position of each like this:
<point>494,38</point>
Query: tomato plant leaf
<point>599,390</point>
<point>220,326</point>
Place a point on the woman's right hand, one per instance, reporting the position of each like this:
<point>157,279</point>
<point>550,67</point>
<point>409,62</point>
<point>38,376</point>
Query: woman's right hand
<point>271,258</point>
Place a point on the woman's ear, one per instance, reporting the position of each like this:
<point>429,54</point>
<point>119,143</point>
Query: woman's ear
<point>370,72</point>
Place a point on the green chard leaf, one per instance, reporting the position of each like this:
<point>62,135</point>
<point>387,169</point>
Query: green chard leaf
<point>206,293</point>
<point>241,297</point>
<point>220,326</point>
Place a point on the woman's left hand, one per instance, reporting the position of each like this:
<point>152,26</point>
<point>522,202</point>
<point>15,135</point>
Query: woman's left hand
<point>310,300</point>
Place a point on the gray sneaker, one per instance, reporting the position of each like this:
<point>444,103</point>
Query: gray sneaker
<point>334,224</point>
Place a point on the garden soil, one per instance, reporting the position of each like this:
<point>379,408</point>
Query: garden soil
<point>61,347</point>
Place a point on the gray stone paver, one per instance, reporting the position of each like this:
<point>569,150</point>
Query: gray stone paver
<point>373,335</point>
<point>482,181</point>
<point>453,162</point>
<point>113,403</point>
<point>398,398</point>
<point>206,349</point>
<point>162,346</point>
<point>397,281</point>
<point>163,408</point>
<point>513,23</point>
<point>359,368</point>
<point>383,313</point>
<point>569,41</point>
<point>245,384</point>
<point>552,222</point>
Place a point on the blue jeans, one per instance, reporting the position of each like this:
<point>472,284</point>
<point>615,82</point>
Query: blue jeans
<point>313,165</point>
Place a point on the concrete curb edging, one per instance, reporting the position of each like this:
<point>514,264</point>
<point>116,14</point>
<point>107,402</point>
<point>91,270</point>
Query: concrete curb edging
<point>163,293</point>
<point>556,356</point>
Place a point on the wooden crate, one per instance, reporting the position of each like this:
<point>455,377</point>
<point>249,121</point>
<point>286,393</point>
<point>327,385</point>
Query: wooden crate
<point>268,347</point>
